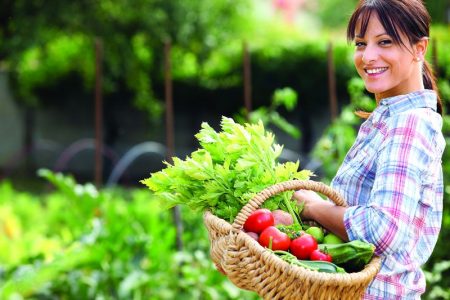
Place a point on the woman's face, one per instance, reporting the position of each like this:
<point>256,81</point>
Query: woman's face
<point>388,69</point>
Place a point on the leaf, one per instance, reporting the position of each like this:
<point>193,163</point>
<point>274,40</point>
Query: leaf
<point>259,115</point>
<point>131,282</point>
<point>227,171</point>
<point>284,125</point>
<point>286,97</point>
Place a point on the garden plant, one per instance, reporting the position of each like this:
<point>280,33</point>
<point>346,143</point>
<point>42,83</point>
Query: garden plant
<point>68,239</point>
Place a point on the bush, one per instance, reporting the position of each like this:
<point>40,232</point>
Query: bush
<point>82,243</point>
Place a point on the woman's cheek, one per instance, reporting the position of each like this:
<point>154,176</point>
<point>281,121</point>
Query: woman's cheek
<point>357,60</point>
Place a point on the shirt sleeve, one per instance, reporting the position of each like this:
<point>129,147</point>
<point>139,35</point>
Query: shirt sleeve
<point>387,219</point>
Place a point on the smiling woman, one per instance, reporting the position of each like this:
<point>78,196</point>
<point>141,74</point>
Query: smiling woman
<point>388,68</point>
<point>391,39</point>
<point>392,175</point>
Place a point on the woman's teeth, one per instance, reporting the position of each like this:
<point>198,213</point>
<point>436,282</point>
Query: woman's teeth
<point>375,71</point>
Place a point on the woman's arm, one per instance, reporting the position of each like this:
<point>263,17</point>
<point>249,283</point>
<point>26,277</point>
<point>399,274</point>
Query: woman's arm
<point>324,212</point>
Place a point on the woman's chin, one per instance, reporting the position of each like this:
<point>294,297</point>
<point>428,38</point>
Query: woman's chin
<point>374,89</point>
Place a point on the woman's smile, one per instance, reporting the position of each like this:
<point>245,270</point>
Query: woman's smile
<point>372,72</point>
<point>387,67</point>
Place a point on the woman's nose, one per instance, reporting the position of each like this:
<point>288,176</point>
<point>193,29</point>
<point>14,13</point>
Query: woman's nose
<point>370,54</point>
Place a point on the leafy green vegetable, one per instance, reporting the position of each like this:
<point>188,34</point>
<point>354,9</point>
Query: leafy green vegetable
<point>293,230</point>
<point>353,255</point>
<point>227,171</point>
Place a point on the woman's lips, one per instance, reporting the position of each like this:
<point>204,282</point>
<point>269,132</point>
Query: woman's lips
<point>375,71</point>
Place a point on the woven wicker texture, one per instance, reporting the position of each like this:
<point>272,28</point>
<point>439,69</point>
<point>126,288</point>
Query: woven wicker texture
<point>251,267</point>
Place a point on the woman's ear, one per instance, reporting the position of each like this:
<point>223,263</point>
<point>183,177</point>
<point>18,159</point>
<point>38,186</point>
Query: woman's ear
<point>420,49</point>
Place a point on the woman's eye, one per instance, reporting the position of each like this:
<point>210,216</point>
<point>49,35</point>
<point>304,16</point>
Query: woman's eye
<point>385,42</point>
<point>359,44</point>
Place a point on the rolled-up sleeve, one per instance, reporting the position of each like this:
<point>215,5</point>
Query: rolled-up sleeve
<point>387,219</point>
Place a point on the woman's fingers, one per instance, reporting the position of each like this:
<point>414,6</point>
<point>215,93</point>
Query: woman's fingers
<point>305,195</point>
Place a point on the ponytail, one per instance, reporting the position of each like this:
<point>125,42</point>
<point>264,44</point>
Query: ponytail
<point>429,82</point>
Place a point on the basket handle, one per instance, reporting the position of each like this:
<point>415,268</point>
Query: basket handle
<point>290,185</point>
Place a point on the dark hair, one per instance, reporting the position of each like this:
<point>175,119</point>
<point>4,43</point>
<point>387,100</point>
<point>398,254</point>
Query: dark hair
<point>407,16</point>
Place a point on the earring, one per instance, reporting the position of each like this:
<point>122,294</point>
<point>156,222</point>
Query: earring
<point>417,59</point>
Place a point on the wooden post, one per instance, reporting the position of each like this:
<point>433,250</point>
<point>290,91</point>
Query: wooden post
<point>247,80</point>
<point>98,112</point>
<point>168,101</point>
<point>28,141</point>
<point>332,83</point>
<point>170,145</point>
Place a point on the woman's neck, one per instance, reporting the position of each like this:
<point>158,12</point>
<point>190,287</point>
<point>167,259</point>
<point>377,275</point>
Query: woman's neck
<point>412,84</point>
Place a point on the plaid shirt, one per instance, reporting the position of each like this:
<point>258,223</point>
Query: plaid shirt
<point>392,181</point>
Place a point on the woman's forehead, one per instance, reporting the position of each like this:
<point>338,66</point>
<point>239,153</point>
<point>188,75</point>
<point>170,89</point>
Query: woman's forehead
<point>370,18</point>
<point>364,19</point>
<point>373,24</point>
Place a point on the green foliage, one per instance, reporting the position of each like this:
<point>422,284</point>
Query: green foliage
<point>282,98</point>
<point>337,139</point>
<point>437,10</point>
<point>43,46</point>
<point>286,97</point>
<point>41,65</point>
<point>438,51</point>
<point>436,281</point>
<point>303,67</point>
<point>359,100</point>
<point>438,270</point>
<point>124,249</point>
<point>326,11</point>
<point>227,171</point>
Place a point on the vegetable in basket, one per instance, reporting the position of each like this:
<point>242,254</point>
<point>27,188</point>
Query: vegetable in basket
<point>274,239</point>
<point>259,220</point>
<point>230,168</point>
<point>316,232</point>
<point>313,265</point>
<point>353,256</point>
<point>305,244</point>
<point>226,172</point>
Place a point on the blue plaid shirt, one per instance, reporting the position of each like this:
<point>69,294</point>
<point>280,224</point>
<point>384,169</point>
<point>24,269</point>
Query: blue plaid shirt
<point>392,180</point>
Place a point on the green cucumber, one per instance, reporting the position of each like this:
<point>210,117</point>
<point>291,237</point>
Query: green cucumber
<point>321,266</point>
<point>313,265</point>
<point>352,255</point>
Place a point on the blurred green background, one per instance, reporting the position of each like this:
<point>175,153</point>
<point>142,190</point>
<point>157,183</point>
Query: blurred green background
<point>69,231</point>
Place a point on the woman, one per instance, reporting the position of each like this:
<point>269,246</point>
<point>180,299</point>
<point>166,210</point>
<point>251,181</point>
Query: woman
<point>392,175</point>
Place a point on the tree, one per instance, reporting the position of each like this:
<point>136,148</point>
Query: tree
<point>335,13</point>
<point>439,10</point>
<point>46,41</point>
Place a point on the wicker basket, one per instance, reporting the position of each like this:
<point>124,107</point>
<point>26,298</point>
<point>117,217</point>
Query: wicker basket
<point>251,267</point>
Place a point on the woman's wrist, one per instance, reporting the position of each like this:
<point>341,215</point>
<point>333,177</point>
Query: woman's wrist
<point>329,216</point>
<point>312,210</point>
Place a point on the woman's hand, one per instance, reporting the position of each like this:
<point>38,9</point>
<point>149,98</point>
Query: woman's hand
<point>323,212</point>
<point>306,198</point>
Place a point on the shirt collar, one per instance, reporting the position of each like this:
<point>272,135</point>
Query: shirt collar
<point>394,105</point>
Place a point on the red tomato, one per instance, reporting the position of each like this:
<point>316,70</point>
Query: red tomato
<point>319,255</point>
<point>259,220</point>
<point>280,240</point>
<point>302,246</point>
